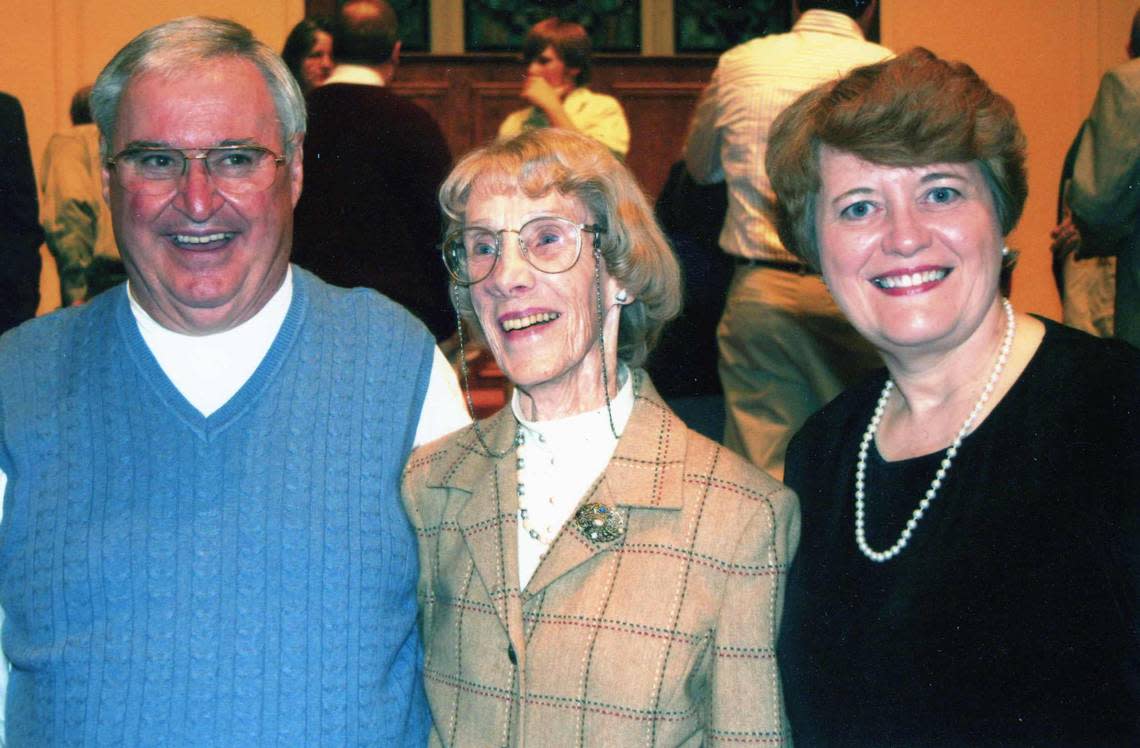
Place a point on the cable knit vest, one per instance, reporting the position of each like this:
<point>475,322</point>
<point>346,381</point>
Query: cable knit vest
<point>242,579</point>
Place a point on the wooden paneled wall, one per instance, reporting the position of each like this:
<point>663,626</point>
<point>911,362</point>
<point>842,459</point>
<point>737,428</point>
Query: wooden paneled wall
<point>469,95</point>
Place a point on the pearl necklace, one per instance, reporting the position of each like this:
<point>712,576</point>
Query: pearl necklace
<point>947,460</point>
<point>542,490</point>
<point>542,535</point>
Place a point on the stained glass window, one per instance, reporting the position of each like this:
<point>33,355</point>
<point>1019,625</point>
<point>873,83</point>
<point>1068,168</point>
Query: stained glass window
<point>716,25</point>
<point>501,25</point>
<point>415,16</point>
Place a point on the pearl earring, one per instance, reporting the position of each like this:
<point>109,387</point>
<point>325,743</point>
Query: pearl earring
<point>621,296</point>
<point>1005,251</point>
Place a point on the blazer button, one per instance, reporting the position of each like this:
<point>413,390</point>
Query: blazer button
<point>511,654</point>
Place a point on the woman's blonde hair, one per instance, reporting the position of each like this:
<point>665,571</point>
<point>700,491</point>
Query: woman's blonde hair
<point>633,248</point>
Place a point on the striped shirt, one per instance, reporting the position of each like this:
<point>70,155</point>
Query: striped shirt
<point>753,82</point>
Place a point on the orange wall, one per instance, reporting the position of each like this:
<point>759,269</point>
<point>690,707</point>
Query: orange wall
<point>1047,57</point>
<point>52,47</point>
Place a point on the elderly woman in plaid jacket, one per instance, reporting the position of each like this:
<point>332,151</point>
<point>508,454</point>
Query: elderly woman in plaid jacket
<point>591,571</point>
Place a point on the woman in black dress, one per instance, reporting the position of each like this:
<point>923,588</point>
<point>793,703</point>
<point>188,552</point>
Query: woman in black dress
<point>968,570</point>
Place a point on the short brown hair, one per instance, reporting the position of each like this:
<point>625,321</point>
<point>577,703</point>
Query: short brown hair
<point>912,110</point>
<point>568,39</point>
<point>633,248</point>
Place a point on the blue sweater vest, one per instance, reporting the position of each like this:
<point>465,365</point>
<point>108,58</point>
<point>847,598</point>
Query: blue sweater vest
<point>242,579</point>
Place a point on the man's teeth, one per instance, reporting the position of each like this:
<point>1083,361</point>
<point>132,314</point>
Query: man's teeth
<point>518,323</point>
<point>190,239</point>
<point>913,279</point>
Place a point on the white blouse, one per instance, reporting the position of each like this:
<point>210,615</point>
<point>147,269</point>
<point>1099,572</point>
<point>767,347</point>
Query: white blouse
<point>558,461</point>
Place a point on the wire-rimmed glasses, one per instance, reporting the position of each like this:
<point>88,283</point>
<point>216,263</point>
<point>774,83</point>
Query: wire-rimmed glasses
<point>551,244</point>
<point>235,169</point>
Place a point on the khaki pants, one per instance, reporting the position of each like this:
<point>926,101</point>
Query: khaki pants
<point>1090,291</point>
<point>785,351</point>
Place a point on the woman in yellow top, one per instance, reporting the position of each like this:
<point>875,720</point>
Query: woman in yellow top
<point>557,56</point>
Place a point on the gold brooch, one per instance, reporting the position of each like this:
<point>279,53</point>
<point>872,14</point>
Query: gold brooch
<point>599,522</point>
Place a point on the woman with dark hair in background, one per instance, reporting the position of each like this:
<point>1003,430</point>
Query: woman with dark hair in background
<point>968,573</point>
<point>557,56</point>
<point>309,52</point>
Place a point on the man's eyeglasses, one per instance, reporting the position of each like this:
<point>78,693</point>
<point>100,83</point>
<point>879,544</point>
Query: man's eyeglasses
<point>550,244</point>
<point>235,169</point>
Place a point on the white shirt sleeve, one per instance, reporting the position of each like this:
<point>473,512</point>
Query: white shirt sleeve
<point>702,144</point>
<point>443,410</point>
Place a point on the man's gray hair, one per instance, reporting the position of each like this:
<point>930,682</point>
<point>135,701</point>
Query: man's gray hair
<point>172,47</point>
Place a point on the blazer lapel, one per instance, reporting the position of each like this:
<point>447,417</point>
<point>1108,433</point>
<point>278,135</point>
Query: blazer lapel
<point>645,472</point>
<point>487,517</point>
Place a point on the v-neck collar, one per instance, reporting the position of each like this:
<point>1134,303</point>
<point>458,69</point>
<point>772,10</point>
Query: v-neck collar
<point>207,427</point>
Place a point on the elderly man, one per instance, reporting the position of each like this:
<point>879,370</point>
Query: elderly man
<point>202,541</point>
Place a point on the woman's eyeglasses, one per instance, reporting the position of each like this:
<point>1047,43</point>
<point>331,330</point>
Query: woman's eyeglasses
<point>550,244</point>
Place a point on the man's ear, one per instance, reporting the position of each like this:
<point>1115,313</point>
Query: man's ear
<point>296,167</point>
<point>105,171</point>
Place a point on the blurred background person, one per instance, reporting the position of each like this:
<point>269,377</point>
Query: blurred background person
<point>784,347</point>
<point>557,58</point>
<point>308,52</point>
<point>75,217</point>
<point>1085,269</point>
<point>583,555</point>
<point>1105,191</point>
<point>373,163</point>
<point>20,232</point>
<point>968,573</point>
<point>1085,276</point>
<point>691,215</point>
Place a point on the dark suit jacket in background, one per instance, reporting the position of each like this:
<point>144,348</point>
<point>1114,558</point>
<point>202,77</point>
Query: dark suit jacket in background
<point>20,233</point>
<point>368,214</point>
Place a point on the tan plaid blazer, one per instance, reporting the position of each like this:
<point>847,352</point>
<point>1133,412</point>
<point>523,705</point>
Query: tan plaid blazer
<point>662,637</point>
